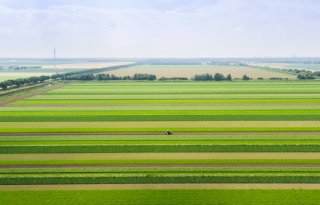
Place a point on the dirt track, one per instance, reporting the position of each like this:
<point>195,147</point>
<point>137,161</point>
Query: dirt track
<point>157,186</point>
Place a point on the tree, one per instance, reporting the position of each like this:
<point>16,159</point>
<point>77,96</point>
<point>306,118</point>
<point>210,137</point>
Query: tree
<point>245,77</point>
<point>126,78</point>
<point>203,77</point>
<point>103,77</point>
<point>306,76</point>
<point>87,77</point>
<point>4,85</point>
<point>139,76</point>
<point>317,73</point>
<point>219,77</point>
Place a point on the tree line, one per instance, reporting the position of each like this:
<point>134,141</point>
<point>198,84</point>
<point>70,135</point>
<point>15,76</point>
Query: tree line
<point>173,78</point>
<point>61,76</point>
<point>304,74</point>
<point>23,81</point>
<point>210,77</point>
<point>85,77</point>
<point>89,77</point>
<point>217,77</point>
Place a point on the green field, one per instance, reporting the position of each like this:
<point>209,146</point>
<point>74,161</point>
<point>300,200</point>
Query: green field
<point>104,133</point>
<point>122,197</point>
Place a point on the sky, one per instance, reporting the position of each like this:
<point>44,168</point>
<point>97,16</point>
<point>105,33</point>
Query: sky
<point>159,28</point>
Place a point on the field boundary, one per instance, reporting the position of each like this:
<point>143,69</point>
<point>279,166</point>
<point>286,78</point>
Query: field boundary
<point>187,186</point>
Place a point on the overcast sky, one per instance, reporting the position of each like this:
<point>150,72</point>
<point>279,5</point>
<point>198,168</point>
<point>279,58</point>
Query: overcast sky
<point>159,28</point>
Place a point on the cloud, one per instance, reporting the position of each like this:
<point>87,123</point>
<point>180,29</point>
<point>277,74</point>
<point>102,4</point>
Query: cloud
<point>159,28</point>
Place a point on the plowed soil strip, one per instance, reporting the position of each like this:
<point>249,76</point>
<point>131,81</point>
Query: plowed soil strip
<point>157,186</point>
<point>152,165</point>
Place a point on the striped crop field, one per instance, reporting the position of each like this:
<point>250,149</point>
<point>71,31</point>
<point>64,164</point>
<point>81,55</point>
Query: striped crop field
<point>113,134</point>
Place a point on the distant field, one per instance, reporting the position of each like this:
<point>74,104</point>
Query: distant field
<point>300,66</point>
<point>190,70</point>
<point>15,75</point>
<point>51,69</point>
<point>85,65</point>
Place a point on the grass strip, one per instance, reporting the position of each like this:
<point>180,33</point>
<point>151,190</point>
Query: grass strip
<point>160,197</point>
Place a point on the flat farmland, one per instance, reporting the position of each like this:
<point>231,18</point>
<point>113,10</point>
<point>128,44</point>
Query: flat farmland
<point>188,71</point>
<point>127,105</point>
<point>112,134</point>
<point>159,197</point>
<point>83,65</point>
<point>299,66</point>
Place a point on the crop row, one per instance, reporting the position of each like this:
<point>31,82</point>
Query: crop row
<point>161,143</point>
<point>157,178</point>
<point>195,169</point>
<point>188,84</point>
<point>163,108</point>
<point>150,129</point>
<point>165,101</point>
<point>177,97</point>
<point>248,138</point>
<point>160,196</point>
<point>181,92</point>
<point>156,148</point>
<point>118,118</point>
<point>124,161</point>
<point>200,111</point>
